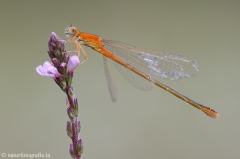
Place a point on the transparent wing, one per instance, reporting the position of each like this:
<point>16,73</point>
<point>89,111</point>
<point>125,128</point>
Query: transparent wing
<point>152,63</point>
<point>133,78</point>
<point>112,87</point>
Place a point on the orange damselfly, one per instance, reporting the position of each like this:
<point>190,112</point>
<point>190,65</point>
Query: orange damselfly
<point>140,67</point>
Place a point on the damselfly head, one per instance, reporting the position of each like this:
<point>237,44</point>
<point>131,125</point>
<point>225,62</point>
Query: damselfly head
<point>70,31</point>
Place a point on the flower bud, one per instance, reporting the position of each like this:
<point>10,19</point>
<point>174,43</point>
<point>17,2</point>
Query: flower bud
<point>62,46</point>
<point>75,105</point>
<point>57,53</point>
<point>66,58</point>
<point>63,68</point>
<point>80,147</point>
<point>55,61</point>
<point>67,103</point>
<point>69,129</point>
<point>71,113</point>
<point>71,151</point>
<point>61,83</point>
<point>50,54</point>
<point>69,77</point>
<point>70,92</point>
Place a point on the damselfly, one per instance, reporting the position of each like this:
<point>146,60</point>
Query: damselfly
<point>139,66</point>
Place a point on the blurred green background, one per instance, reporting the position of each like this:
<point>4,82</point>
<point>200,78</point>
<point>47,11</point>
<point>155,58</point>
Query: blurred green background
<point>141,125</point>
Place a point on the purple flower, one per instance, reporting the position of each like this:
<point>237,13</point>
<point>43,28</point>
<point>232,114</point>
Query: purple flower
<point>61,69</point>
<point>47,70</point>
<point>73,62</point>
